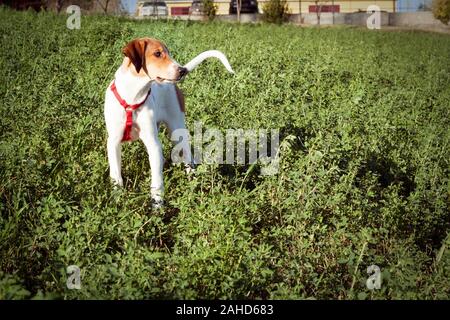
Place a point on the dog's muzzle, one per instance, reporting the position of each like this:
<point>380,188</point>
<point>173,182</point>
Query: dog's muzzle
<point>182,71</point>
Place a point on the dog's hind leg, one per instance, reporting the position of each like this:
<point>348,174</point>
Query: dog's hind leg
<point>181,151</point>
<point>180,136</point>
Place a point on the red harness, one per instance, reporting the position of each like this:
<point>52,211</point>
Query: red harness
<point>129,110</point>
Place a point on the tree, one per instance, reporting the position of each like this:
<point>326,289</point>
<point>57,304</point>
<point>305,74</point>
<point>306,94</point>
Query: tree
<point>275,11</point>
<point>300,20</point>
<point>59,5</point>
<point>104,5</point>
<point>210,9</point>
<point>441,10</point>
<point>238,9</point>
<point>319,4</point>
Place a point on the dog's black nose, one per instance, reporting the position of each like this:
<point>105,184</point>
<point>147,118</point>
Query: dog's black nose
<point>182,72</point>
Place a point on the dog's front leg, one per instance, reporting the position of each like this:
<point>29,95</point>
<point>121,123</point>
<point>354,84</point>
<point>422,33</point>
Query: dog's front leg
<point>155,156</point>
<point>114,159</point>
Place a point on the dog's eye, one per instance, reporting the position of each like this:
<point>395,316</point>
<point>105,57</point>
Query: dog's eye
<point>157,54</point>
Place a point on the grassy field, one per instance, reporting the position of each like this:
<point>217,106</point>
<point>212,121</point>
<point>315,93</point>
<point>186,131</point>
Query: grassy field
<point>364,176</point>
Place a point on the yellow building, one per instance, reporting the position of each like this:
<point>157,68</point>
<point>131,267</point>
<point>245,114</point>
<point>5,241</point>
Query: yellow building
<point>223,6</point>
<point>344,6</point>
<point>181,7</point>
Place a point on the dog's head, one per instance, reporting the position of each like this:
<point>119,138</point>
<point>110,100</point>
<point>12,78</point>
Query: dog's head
<point>150,57</point>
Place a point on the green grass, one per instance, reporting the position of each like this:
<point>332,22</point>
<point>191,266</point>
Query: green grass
<point>364,176</point>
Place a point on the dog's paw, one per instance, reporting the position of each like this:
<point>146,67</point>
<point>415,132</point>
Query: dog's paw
<point>157,203</point>
<point>117,183</point>
<point>190,169</point>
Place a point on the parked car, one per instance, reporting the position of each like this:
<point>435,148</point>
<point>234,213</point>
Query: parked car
<point>153,8</point>
<point>197,8</point>
<point>247,6</point>
<point>26,4</point>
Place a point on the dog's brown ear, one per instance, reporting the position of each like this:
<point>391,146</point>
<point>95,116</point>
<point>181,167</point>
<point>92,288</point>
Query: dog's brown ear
<point>135,51</point>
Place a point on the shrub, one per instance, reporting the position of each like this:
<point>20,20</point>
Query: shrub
<point>210,9</point>
<point>275,11</point>
<point>441,10</point>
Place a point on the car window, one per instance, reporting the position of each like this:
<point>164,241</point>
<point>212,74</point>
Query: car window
<point>150,4</point>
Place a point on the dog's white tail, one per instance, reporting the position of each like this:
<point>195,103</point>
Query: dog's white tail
<point>191,65</point>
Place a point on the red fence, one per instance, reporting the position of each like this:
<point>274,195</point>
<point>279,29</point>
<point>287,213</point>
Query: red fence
<point>325,8</point>
<point>179,11</point>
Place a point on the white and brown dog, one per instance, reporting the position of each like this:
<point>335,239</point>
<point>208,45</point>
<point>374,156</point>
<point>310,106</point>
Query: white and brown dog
<point>143,95</point>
